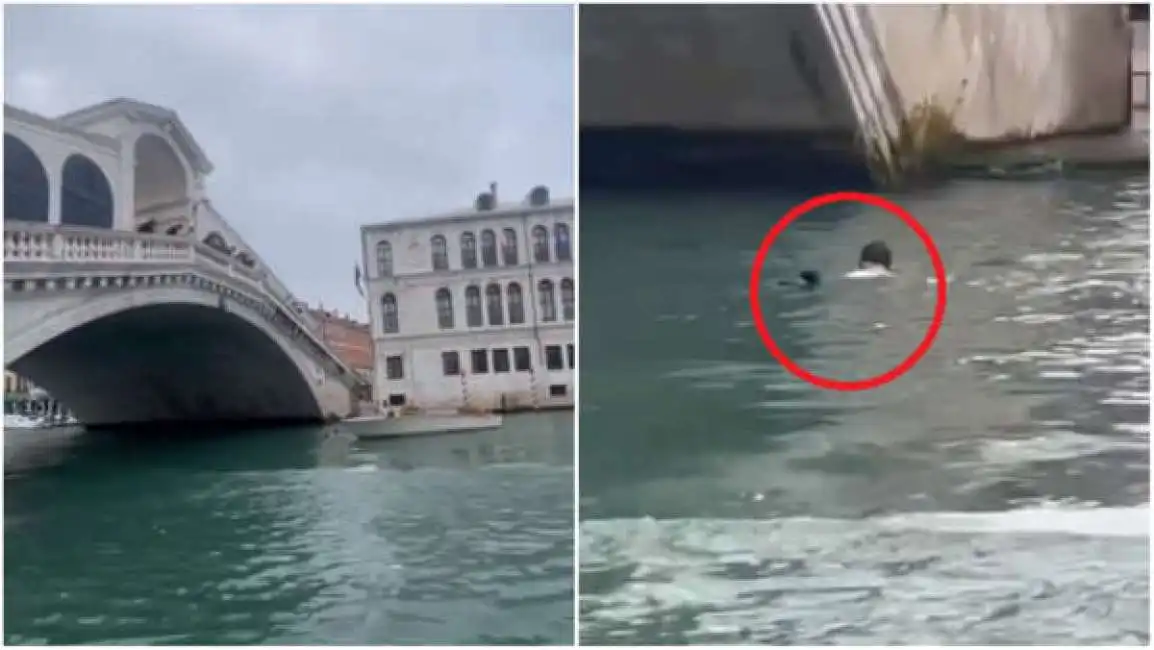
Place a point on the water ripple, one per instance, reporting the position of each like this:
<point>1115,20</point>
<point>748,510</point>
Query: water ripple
<point>140,553</point>
<point>995,494</point>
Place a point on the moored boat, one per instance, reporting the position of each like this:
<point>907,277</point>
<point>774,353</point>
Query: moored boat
<point>392,425</point>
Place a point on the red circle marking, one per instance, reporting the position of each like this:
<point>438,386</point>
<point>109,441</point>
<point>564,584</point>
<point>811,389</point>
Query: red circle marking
<point>847,384</point>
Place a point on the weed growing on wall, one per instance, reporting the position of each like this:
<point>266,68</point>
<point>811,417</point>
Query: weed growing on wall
<point>927,138</point>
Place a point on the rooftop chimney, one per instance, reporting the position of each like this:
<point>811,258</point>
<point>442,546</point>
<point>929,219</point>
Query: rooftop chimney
<point>484,202</point>
<point>538,196</point>
<point>493,191</point>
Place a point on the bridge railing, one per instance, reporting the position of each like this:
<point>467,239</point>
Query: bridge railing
<point>42,242</point>
<point>229,263</point>
<point>35,242</point>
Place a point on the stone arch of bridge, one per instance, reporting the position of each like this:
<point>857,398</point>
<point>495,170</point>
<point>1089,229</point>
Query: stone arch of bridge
<point>164,354</point>
<point>161,185</point>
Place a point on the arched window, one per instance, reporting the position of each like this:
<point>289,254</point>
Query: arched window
<point>488,248</point>
<point>493,304</point>
<point>561,238</point>
<point>540,244</point>
<point>390,319</point>
<point>516,304</point>
<point>444,309</point>
<point>468,251</point>
<point>547,300</point>
<point>440,253</point>
<point>384,259</point>
<point>85,195</point>
<point>25,183</point>
<point>474,317</point>
<point>509,247</point>
<point>567,299</point>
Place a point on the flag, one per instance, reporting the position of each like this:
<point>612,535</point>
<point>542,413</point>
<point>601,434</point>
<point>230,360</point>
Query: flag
<point>357,280</point>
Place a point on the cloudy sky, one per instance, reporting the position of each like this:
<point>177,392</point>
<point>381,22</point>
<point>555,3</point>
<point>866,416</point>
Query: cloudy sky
<point>320,119</point>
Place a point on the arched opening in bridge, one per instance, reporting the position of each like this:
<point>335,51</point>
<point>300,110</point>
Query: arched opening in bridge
<point>176,362</point>
<point>85,194</point>
<point>26,187</point>
<point>161,186</point>
<point>216,241</point>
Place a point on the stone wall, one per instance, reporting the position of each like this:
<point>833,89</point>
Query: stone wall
<point>709,67</point>
<point>756,95</point>
<point>1009,72</point>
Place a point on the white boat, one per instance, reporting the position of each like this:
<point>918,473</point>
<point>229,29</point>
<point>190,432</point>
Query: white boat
<point>17,421</point>
<point>422,424</point>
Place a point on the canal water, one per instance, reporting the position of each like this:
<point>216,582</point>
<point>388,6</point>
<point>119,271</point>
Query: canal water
<point>289,537</point>
<point>997,494</point>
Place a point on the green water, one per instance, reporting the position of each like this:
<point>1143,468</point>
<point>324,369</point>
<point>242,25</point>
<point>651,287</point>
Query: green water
<point>996,494</point>
<point>289,537</point>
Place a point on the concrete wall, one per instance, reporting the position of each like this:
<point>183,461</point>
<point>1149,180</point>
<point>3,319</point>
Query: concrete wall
<point>1009,71</point>
<point>709,67</point>
<point>774,92</point>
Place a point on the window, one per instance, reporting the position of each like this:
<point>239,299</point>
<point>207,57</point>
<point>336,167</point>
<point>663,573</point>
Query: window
<point>440,253</point>
<point>394,367</point>
<point>553,358</point>
<point>540,244</point>
<point>569,353</point>
<point>561,236</point>
<point>397,399</point>
<point>473,314</point>
<point>468,251</point>
<point>567,298</point>
<point>500,360</point>
<point>548,304</point>
<point>480,361</point>
<point>516,304</point>
<point>493,304</point>
<point>444,309</point>
<point>521,360</point>
<point>488,248</point>
<point>509,247</point>
<point>558,390</point>
<point>390,319</point>
<point>451,363</point>
<point>384,259</point>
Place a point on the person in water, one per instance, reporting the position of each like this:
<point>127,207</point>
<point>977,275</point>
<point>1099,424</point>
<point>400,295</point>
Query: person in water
<point>876,255</point>
<point>805,280</point>
<point>876,259</point>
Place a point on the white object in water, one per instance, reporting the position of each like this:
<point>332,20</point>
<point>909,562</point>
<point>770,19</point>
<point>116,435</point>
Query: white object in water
<point>376,426</point>
<point>869,272</point>
<point>17,421</point>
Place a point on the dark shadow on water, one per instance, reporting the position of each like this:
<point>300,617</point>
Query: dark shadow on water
<point>684,160</point>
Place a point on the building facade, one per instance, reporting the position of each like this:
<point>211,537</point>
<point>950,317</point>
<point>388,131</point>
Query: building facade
<point>349,339</point>
<point>474,309</point>
<point>14,384</point>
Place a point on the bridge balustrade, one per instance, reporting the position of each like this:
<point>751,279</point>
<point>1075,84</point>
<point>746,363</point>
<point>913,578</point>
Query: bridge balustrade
<point>65,244</point>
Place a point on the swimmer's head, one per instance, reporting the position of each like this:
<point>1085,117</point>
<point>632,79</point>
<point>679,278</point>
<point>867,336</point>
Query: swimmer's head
<point>810,279</point>
<point>875,253</point>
